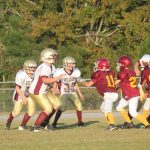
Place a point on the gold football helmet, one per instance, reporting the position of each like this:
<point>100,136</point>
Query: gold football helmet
<point>48,55</point>
<point>30,66</point>
<point>69,62</point>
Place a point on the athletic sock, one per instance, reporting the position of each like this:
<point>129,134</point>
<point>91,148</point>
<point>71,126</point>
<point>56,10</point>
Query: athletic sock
<point>58,114</point>
<point>125,115</point>
<point>145,113</point>
<point>79,115</point>
<point>42,116</point>
<point>110,118</point>
<point>25,119</point>
<point>142,119</point>
<point>49,117</point>
<point>10,119</point>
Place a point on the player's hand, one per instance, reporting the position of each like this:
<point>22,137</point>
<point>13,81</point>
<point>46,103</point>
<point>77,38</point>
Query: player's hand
<point>138,72</point>
<point>24,100</point>
<point>81,96</point>
<point>146,95</point>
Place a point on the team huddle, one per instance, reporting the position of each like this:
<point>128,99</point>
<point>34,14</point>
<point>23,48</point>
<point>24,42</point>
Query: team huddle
<point>51,88</point>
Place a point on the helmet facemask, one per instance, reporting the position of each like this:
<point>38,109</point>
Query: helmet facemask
<point>49,56</point>
<point>30,66</point>
<point>101,64</point>
<point>69,63</point>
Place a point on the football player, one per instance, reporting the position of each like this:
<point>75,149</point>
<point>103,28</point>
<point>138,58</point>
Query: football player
<point>140,67</point>
<point>40,85</point>
<point>126,79</point>
<point>146,89</point>
<point>21,95</point>
<point>103,80</point>
<point>69,90</point>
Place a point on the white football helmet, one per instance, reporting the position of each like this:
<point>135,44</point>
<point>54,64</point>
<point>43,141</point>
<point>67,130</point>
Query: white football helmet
<point>69,62</point>
<point>30,66</point>
<point>48,55</point>
<point>145,60</point>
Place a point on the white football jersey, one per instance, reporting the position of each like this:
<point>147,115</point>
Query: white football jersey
<point>68,82</point>
<point>23,81</point>
<point>37,86</point>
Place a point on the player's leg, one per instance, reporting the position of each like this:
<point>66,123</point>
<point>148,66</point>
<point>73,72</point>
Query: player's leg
<point>146,108</point>
<point>56,105</point>
<point>45,105</point>
<point>133,103</point>
<point>63,107</point>
<point>109,98</point>
<point>30,112</point>
<point>16,111</point>
<point>78,105</point>
<point>122,104</point>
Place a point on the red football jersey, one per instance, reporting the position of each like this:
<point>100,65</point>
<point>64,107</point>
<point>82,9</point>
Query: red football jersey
<point>142,74</point>
<point>128,83</point>
<point>146,76</point>
<point>104,81</point>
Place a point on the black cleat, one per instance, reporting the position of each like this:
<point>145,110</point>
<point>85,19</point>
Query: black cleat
<point>44,124</point>
<point>112,127</point>
<point>53,127</point>
<point>7,126</point>
<point>81,124</point>
<point>127,125</point>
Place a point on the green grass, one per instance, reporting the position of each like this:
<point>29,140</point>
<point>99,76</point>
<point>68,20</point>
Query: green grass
<point>93,136</point>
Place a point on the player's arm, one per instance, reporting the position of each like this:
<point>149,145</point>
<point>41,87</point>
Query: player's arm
<point>89,83</point>
<point>21,94</point>
<point>55,88</point>
<point>136,68</point>
<point>79,91</point>
<point>117,82</point>
<point>144,87</point>
<point>47,80</point>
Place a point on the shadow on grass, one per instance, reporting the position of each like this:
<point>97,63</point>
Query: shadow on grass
<point>74,125</point>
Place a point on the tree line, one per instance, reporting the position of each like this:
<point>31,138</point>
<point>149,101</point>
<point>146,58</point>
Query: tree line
<point>84,29</point>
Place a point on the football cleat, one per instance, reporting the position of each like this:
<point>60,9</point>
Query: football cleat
<point>21,128</point>
<point>7,126</point>
<point>112,127</point>
<point>36,128</point>
<point>147,127</point>
<point>127,125</point>
<point>53,127</point>
<point>81,124</point>
<point>44,124</point>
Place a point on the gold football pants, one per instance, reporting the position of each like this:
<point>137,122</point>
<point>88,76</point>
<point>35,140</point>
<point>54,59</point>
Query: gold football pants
<point>55,101</point>
<point>43,102</point>
<point>18,105</point>
<point>73,98</point>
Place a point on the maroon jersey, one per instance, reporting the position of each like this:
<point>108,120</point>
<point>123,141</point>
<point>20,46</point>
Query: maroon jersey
<point>104,81</point>
<point>128,83</point>
<point>146,76</point>
<point>142,74</point>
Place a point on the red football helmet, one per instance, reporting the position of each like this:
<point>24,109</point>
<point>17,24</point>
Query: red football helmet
<point>102,64</point>
<point>124,62</point>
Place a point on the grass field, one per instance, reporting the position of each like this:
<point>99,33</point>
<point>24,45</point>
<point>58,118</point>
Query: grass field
<point>93,136</point>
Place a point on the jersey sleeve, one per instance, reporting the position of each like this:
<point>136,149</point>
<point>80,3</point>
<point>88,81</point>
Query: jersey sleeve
<point>19,78</point>
<point>94,77</point>
<point>78,74</point>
